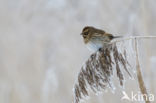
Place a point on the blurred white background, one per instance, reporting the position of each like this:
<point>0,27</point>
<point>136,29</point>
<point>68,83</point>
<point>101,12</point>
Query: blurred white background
<point>41,50</point>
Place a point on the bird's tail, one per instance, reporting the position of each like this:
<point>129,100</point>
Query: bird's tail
<point>117,37</point>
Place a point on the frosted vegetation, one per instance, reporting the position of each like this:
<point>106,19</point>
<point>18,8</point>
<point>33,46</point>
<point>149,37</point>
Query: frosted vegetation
<point>97,73</point>
<point>41,51</point>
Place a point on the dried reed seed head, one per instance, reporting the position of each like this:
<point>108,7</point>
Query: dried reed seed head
<point>96,74</point>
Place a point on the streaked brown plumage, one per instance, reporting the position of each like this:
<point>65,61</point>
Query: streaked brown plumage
<point>96,38</point>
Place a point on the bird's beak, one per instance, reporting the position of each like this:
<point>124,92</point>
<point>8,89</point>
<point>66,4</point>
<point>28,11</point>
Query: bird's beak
<point>81,34</point>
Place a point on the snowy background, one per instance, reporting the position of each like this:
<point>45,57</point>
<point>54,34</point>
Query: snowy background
<point>41,50</point>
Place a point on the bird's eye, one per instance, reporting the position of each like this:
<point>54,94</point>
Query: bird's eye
<point>85,33</point>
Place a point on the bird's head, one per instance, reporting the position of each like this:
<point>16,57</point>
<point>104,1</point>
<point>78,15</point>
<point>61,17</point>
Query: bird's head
<point>87,33</point>
<point>90,32</point>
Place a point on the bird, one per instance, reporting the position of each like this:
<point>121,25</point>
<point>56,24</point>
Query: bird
<point>95,38</point>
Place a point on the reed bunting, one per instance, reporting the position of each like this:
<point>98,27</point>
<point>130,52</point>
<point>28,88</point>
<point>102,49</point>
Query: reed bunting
<point>96,38</point>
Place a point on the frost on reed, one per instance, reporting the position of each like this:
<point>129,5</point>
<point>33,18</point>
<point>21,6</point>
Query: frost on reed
<point>96,74</point>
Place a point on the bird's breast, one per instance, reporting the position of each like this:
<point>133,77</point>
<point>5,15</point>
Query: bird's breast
<point>94,45</point>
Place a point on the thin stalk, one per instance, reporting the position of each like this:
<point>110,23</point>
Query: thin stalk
<point>132,37</point>
<point>139,75</point>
